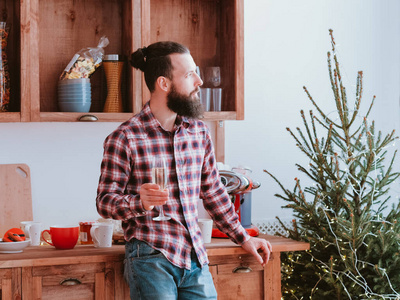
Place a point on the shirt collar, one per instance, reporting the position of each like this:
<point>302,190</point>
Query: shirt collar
<point>152,124</point>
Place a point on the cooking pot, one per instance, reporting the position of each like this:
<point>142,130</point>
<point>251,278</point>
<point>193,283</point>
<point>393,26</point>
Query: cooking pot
<point>239,187</point>
<point>237,183</point>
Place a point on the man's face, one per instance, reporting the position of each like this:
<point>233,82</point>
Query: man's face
<point>183,97</point>
<point>185,105</point>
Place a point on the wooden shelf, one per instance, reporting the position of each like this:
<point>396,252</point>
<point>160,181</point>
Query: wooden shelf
<point>10,117</point>
<point>47,33</point>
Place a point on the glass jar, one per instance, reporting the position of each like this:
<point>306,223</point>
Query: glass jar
<point>4,71</point>
<point>84,232</point>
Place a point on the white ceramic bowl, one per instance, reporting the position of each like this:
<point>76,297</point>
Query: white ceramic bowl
<point>13,247</point>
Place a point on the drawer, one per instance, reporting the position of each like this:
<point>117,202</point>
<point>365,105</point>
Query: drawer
<point>237,277</point>
<point>81,281</point>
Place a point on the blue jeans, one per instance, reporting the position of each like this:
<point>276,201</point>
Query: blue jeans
<point>151,276</point>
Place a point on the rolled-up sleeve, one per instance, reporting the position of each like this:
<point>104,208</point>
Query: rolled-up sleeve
<point>112,200</point>
<point>216,199</point>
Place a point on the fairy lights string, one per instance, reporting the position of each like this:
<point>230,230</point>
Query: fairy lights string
<point>359,280</point>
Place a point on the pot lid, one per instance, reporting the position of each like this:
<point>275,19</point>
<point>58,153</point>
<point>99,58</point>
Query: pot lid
<point>230,181</point>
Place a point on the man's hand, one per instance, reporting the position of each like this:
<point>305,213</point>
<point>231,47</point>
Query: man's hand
<point>254,244</point>
<point>151,195</point>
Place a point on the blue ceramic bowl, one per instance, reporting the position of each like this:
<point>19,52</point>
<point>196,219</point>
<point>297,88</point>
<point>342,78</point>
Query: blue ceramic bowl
<point>77,81</point>
<point>74,100</point>
<point>74,106</point>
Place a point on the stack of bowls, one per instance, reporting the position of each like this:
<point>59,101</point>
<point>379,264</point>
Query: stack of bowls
<point>74,95</point>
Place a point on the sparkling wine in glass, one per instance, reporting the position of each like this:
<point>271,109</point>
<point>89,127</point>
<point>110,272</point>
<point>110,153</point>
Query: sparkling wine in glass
<point>159,176</point>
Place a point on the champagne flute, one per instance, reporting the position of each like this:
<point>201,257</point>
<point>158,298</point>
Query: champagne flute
<point>159,176</point>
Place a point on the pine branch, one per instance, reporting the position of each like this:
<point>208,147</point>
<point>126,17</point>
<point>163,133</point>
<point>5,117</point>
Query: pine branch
<point>318,109</point>
<point>370,107</point>
<point>359,90</point>
<point>299,144</point>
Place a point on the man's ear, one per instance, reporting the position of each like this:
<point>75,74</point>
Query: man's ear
<point>163,83</point>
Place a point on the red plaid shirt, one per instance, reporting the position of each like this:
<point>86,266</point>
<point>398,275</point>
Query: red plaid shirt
<point>192,174</point>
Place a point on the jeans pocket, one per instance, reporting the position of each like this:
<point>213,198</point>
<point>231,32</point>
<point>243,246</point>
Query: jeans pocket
<point>140,250</point>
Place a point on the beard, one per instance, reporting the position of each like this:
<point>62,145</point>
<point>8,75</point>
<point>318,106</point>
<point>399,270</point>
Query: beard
<point>185,105</point>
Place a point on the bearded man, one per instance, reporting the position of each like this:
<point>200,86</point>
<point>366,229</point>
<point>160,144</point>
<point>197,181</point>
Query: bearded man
<point>167,259</point>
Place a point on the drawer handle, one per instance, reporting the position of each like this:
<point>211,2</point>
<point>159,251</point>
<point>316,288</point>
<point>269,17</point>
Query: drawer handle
<point>242,269</point>
<point>88,118</point>
<point>70,281</point>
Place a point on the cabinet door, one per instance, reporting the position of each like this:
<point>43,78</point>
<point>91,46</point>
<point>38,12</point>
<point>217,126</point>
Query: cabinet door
<point>10,283</point>
<point>80,281</point>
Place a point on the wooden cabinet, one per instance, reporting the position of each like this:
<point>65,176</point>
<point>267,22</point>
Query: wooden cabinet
<point>80,273</point>
<point>47,33</point>
<point>86,272</point>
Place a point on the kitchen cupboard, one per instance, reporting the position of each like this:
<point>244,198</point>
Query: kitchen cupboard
<point>81,273</point>
<point>86,272</point>
<point>47,33</point>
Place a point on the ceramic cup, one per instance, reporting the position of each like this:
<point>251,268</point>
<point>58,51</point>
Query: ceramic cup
<point>102,234</point>
<point>206,229</point>
<point>32,230</point>
<point>62,236</point>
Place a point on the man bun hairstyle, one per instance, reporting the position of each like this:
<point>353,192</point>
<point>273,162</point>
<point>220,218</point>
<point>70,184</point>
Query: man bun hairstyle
<point>154,60</point>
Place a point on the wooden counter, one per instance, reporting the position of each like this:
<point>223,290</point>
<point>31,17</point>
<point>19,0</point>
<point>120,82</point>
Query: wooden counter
<point>97,273</point>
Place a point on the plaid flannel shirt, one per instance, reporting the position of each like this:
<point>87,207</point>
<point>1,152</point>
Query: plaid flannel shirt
<point>192,174</point>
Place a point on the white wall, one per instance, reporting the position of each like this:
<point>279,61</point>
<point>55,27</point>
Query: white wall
<point>285,48</point>
<point>286,45</point>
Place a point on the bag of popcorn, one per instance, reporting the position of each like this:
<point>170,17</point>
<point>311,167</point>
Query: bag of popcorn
<point>85,62</point>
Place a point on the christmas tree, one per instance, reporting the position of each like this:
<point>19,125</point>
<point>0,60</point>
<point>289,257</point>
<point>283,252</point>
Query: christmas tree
<point>354,236</point>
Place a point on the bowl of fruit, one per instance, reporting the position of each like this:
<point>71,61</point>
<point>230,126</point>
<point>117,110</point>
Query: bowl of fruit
<point>14,241</point>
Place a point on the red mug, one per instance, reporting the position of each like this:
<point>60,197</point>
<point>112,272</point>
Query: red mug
<point>62,236</point>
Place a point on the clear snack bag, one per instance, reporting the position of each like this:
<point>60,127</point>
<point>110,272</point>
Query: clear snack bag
<point>85,62</point>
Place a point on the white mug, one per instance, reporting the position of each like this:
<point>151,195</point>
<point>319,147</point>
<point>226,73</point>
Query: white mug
<point>206,226</point>
<point>32,230</point>
<point>102,234</point>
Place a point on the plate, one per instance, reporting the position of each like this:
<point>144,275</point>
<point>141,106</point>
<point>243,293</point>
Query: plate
<point>13,247</point>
